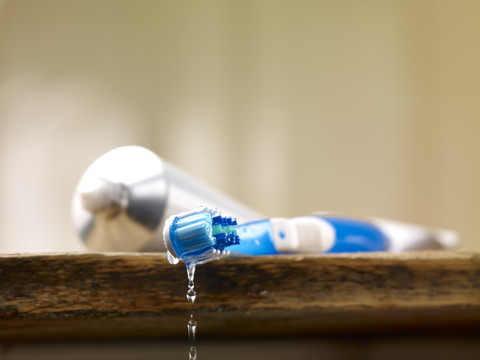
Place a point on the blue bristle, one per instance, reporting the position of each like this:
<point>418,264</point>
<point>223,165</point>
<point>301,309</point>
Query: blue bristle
<point>233,239</point>
<point>192,231</point>
<point>206,217</point>
<point>220,237</point>
<point>192,234</point>
<point>217,220</point>
<point>220,241</point>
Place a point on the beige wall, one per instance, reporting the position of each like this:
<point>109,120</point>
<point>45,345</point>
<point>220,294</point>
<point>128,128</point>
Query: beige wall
<point>366,107</point>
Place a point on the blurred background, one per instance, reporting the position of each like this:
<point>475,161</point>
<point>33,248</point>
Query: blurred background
<point>364,107</point>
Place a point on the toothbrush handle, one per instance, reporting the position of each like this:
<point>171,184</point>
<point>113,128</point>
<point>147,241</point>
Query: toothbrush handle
<point>352,235</point>
<point>349,235</point>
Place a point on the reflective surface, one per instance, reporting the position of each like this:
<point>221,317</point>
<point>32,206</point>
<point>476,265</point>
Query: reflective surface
<point>119,202</point>
<point>392,348</point>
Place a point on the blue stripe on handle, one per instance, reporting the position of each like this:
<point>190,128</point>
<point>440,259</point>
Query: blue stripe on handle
<point>354,235</point>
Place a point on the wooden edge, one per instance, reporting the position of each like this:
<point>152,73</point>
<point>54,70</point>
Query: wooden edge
<point>88,295</point>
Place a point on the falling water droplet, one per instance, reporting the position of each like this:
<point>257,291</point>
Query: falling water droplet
<point>191,296</point>
<point>191,293</point>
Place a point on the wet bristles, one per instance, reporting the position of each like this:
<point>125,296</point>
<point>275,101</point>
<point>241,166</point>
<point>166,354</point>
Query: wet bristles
<point>202,237</point>
<point>194,233</point>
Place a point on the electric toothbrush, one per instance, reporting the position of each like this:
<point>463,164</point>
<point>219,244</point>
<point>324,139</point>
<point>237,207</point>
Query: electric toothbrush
<point>203,235</point>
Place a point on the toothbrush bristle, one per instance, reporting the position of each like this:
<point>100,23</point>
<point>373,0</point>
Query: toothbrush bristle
<point>225,232</point>
<point>203,235</point>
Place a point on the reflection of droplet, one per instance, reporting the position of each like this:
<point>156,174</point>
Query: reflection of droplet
<point>192,355</point>
<point>192,328</point>
<point>172,259</point>
<point>191,295</point>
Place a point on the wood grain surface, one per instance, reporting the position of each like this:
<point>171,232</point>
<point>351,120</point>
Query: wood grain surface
<point>105,296</point>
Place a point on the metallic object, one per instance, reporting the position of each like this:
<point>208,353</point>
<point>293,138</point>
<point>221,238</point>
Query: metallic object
<point>124,197</point>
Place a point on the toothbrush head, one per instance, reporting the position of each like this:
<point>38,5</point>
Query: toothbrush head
<point>199,236</point>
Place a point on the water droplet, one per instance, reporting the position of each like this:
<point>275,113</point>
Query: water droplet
<point>172,259</point>
<point>191,295</point>
<point>192,355</point>
<point>192,328</point>
<point>191,270</point>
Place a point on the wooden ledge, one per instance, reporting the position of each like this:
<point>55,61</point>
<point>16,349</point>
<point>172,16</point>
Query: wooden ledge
<point>93,296</point>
